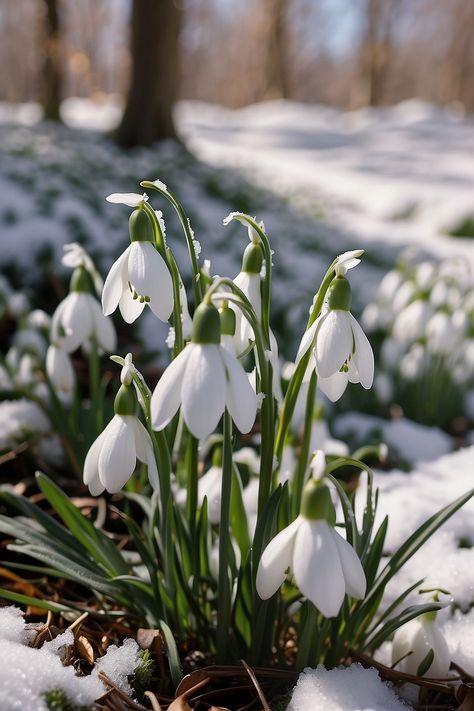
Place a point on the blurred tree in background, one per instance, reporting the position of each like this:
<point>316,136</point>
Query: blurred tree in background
<point>346,53</point>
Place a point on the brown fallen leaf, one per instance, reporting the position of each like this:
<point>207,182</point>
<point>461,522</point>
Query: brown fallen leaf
<point>179,704</point>
<point>190,681</point>
<point>465,694</point>
<point>149,639</point>
<point>84,649</point>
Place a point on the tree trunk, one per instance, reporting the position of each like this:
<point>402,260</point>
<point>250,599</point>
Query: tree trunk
<point>275,78</point>
<point>154,86</point>
<point>51,79</point>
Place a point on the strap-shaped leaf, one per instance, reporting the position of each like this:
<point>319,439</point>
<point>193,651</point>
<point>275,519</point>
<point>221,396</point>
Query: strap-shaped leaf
<point>386,631</point>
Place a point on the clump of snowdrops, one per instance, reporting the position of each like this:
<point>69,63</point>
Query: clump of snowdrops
<point>243,534</point>
<point>423,318</point>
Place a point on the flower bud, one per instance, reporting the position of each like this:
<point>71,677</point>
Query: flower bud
<point>317,504</point>
<point>125,401</point>
<point>81,281</point>
<point>206,325</point>
<point>228,320</point>
<point>253,259</point>
<point>140,227</point>
<point>339,294</point>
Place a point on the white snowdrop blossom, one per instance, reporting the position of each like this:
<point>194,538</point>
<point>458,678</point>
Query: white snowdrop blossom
<point>130,199</point>
<point>76,256</point>
<point>78,319</point>
<point>204,379</point>
<point>341,352</point>
<point>412,643</point>
<point>128,370</point>
<point>249,282</point>
<point>139,276</point>
<point>59,369</point>
<point>210,486</point>
<point>324,565</point>
<point>410,323</point>
<point>112,458</point>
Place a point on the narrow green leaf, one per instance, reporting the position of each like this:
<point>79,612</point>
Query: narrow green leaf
<point>41,603</point>
<point>375,640</point>
<point>238,515</point>
<point>374,553</point>
<point>173,656</point>
<point>425,663</point>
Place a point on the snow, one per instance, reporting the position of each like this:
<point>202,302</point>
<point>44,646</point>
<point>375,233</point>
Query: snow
<point>412,441</point>
<point>343,689</point>
<point>26,673</point>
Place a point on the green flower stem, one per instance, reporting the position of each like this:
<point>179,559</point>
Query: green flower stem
<point>303,461</point>
<point>267,415</point>
<point>225,543</point>
<point>308,635</point>
<point>170,262</point>
<point>291,395</point>
<point>192,483</point>
<point>183,218</point>
<point>177,320</point>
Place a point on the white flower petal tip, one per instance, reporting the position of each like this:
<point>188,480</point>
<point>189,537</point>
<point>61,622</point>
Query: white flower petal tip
<point>348,260</point>
<point>325,566</point>
<point>204,379</point>
<point>112,458</point>
<point>78,321</point>
<point>130,199</point>
<point>160,185</point>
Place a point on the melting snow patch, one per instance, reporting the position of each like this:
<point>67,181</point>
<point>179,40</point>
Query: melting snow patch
<point>345,689</point>
<point>119,663</point>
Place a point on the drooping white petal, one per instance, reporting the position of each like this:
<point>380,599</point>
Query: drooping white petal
<point>118,457</point>
<point>57,330</point>
<point>351,567</point>
<point>334,386</point>
<point>130,308</point>
<point>91,463</point>
<point>241,400</point>
<point>115,283</point>
<point>130,199</point>
<point>317,568</point>
<point>150,276</point>
<point>333,342</point>
<point>103,327</point>
<point>210,485</point>
<point>203,391</point>
<point>275,560</point>
<point>145,452</point>
<point>76,320</point>
<point>307,340</point>
<point>166,397</point>
<point>363,355</point>
<point>95,486</point>
<point>59,369</point>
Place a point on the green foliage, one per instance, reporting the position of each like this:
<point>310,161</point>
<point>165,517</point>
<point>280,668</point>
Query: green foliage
<point>140,680</point>
<point>57,700</point>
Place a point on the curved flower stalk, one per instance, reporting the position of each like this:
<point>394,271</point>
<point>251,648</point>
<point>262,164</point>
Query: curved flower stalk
<point>111,460</point>
<point>325,566</point>
<point>204,379</point>
<point>341,352</point>
<point>78,320</point>
<point>139,276</point>
<point>416,642</point>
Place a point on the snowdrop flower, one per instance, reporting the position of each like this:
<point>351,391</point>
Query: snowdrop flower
<point>249,281</point>
<point>111,460</point>
<point>139,276</point>
<point>347,260</point>
<point>410,323</point>
<point>79,319</point>
<point>59,369</point>
<point>76,256</point>
<point>204,379</point>
<point>210,485</point>
<point>412,643</point>
<point>324,565</point>
<point>444,330</point>
<point>341,352</point>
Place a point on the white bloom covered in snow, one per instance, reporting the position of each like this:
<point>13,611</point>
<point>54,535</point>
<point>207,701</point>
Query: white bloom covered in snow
<point>111,460</point>
<point>59,369</point>
<point>341,352</point>
<point>324,565</point>
<point>139,276</point>
<point>412,643</point>
<point>204,379</point>
<point>78,319</point>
